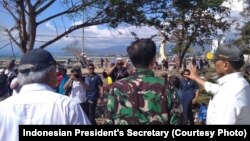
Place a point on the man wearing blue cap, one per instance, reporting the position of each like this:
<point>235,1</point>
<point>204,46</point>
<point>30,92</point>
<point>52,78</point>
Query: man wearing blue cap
<point>231,94</point>
<point>36,102</point>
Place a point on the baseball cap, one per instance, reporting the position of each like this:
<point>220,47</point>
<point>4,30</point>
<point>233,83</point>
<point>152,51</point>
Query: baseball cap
<point>35,60</point>
<point>228,53</point>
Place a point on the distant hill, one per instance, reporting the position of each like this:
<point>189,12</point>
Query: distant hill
<point>110,51</point>
<point>118,50</point>
<point>58,52</point>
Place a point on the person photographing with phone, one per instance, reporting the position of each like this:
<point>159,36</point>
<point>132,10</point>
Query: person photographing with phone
<point>78,85</point>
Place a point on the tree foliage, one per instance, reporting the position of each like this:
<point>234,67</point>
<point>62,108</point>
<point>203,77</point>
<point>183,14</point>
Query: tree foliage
<point>244,39</point>
<point>176,50</point>
<point>246,11</point>
<point>185,22</point>
<point>189,22</point>
<point>25,14</point>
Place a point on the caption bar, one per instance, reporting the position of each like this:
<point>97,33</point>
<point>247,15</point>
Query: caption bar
<point>164,132</point>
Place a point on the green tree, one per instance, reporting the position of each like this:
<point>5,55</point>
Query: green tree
<point>244,40</point>
<point>178,49</point>
<point>189,22</point>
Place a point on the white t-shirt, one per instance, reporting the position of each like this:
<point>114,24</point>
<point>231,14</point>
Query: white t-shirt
<point>37,104</point>
<point>78,93</point>
<point>9,73</point>
<point>231,101</point>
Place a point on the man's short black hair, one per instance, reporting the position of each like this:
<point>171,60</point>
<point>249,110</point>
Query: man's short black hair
<point>141,52</point>
<point>185,70</point>
<point>76,69</point>
<point>63,70</point>
<point>175,81</point>
<point>91,65</point>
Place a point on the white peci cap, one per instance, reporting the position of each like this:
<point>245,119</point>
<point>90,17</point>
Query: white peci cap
<point>119,59</point>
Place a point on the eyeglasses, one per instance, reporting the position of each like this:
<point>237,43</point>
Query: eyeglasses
<point>91,68</point>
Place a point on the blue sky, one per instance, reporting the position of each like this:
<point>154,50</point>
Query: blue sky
<point>95,36</point>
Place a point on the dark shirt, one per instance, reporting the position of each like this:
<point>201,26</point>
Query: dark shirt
<point>194,61</point>
<point>118,74</point>
<point>3,84</point>
<point>188,89</point>
<point>95,81</point>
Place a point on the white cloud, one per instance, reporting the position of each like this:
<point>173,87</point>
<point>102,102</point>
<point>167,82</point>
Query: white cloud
<point>235,19</point>
<point>77,23</point>
<point>103,37</point>
<point>50,26</point>
<point>234,5</point>
<point>94,36</point>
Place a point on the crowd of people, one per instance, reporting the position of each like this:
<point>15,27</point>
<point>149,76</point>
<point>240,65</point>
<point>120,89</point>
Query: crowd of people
<point>42,91</point>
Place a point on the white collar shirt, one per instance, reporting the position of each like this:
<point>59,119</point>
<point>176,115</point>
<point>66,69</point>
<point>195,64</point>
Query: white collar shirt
<point>231,100</point>
<point>37,104</point>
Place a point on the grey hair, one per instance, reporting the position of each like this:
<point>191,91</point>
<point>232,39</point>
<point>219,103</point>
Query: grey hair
<point>40,76</point>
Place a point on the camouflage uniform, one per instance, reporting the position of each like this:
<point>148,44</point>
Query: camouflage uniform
<point>137,99</point>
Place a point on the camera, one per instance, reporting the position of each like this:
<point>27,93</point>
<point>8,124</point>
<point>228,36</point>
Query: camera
<point>77,76</point>
<point>164,75</point>
<point>120,63</point>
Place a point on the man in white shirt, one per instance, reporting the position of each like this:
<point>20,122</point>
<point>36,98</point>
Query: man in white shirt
<point>37,103</point>
<point>231,95</point>
<point>78,86</point>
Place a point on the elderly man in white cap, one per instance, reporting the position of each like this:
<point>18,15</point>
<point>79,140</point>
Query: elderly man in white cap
<point>36,102</point>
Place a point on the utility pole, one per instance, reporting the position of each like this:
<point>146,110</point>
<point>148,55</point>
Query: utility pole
<point>83,28</point>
